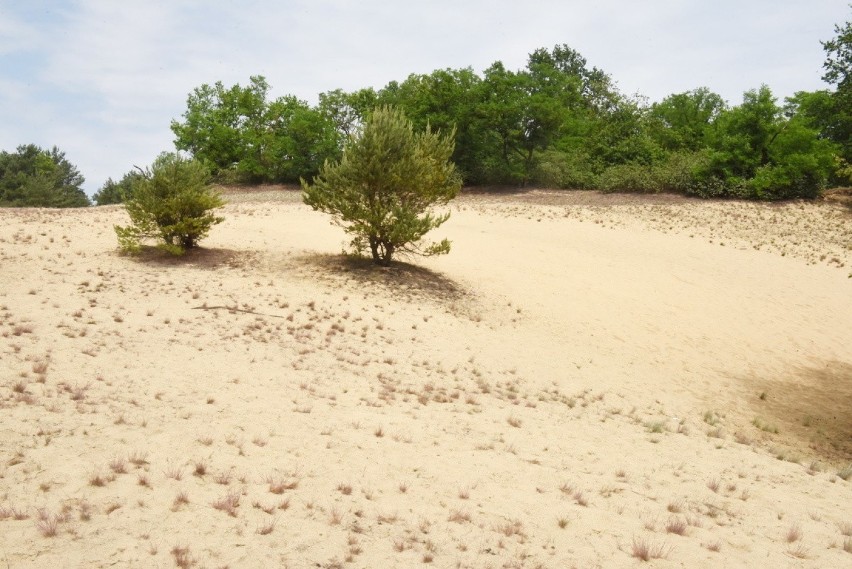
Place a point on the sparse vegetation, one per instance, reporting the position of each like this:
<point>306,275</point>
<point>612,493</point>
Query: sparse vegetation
<point>764,426</point>
<point>644,550</point>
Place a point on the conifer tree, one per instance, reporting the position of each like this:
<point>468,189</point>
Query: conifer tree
<point>383,189</point>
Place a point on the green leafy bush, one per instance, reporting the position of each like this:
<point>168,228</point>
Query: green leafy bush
<point>384,187</point>
<point>631,177</point>
<point>172,203</point>
<point>568,170</point>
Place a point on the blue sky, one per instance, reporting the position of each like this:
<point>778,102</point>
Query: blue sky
<point>102,79</point>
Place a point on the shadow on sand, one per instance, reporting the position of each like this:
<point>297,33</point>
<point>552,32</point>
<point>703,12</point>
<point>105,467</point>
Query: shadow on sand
<point>811,404</point>
<point>200,257</point>
<point>399,281</point>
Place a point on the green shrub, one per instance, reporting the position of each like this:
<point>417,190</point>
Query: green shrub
<point>631,177</point>
<point>566,170</point>
<point>679,170</point>
<point>384,187</point>
<point>675,172</point>
<point>172,203</point>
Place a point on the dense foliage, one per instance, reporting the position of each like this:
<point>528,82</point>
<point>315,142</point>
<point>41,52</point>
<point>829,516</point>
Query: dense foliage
<point>243,137</point>
<point>34,177</point>
<point>383,188</point>
<point>835,117</point>
<point>172,202</point>
<point>113,192</point>
<point>556,122</point>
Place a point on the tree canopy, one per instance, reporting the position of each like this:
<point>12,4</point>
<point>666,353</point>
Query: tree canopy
<point>238,132</point>
<point>34,177</point>
<point>558,122</point>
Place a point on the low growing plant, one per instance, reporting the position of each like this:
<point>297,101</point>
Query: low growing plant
<point>172,203</point>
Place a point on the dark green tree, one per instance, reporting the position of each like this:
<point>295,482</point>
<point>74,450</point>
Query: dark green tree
<point>113,192</point>
<point>838,72</point>
<point>501,116</point>
<point>34,177</point>
<point>294,143</point>
<point>221,126</point>
<point>445,100</point>
<point>681,121</point>
<point>239,133</point>
<point>172,203</point>
<point>759,152</point>
<point>384,187</point>
<point>347,111</point>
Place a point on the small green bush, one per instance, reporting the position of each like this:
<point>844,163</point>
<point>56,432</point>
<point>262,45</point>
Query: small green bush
<point>172,203</point>
<point>383,190</point>
<point>566,170</point>
<point>675,172</point>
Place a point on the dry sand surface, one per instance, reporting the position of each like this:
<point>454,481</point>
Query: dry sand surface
<point>584,381</point>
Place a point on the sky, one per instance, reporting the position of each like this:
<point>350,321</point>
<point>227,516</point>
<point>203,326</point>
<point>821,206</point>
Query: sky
<point>103,79</point>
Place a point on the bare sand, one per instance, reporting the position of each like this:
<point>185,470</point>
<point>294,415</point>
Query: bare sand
<point>584,381</point>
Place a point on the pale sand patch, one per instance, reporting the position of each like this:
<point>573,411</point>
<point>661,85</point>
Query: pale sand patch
<point>582,377</point>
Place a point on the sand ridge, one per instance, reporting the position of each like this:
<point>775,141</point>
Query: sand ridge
<point>582,382</point>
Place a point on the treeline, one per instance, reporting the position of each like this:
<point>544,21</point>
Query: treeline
<point>36,177</point>
<point>557,123</point>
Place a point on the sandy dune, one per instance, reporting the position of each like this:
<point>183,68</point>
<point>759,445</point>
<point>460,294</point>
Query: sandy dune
<point>585,380</point>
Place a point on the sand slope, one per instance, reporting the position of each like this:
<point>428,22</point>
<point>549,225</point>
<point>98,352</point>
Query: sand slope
<point>582,379</point>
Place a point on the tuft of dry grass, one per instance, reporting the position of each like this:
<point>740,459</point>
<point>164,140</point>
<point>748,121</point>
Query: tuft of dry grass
<point>793,533</point>
<point>97,479</point>
<point>174,472</point>
<point>459,517</point>
<point>280,485</point>
<point>642,549</point>
<point>138,459</point>
<point>228,503</point>
<point>183,558</point>
<point>266,529</point>
<point>713,484</point>
<point>118,465</point>
<point>181,499</point>
<point>48,525</point>
<point>676,526</point>
<point>509,529</point>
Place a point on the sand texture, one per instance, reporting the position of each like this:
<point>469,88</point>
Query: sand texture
<point>585,381</point>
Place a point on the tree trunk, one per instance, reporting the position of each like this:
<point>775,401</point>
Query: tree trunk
<point>374,249</point>
<point>386,260</point>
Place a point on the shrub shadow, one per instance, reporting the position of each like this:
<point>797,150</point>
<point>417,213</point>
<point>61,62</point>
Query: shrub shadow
<point>199,257</point>
<point>400,280</point>
<point>810,404</point>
